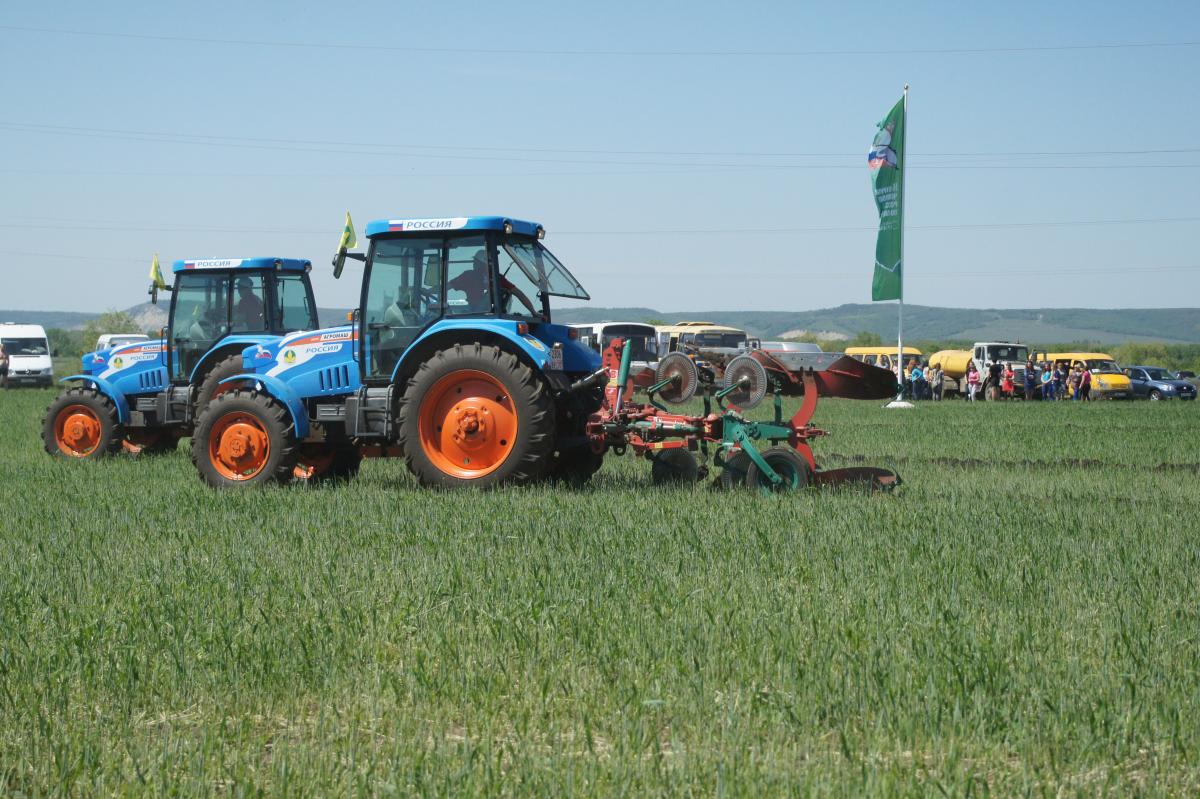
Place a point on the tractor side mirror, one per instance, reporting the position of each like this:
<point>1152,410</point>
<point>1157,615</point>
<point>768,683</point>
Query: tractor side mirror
<point>153,294</point>
<point>54,354</point>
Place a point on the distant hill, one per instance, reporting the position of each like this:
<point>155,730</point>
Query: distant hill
<point>921,322</point>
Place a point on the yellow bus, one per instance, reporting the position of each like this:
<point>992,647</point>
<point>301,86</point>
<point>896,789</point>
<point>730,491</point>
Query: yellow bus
<point>1108,381</point>
<point>702,335</point>
<point>883,357</point>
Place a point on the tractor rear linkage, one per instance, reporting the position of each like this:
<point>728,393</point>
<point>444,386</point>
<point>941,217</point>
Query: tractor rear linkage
<point>652,430</point>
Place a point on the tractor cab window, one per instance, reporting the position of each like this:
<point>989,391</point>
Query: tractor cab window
<point>468,278</point>
<point>519,293</point>
<point>542,268</point>
<point>199,318</point>
<point>248,313</point>
<point>294,309</point>
<point>403,295</point>
<point>1007,353</point>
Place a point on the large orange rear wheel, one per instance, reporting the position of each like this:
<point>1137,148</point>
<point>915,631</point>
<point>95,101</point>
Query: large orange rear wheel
<point>476,415</point>
<point>468,424</point>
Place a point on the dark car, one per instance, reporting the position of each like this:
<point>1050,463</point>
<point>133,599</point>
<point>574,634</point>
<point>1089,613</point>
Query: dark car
<point>1156,383</point>
<point>1185,374</point>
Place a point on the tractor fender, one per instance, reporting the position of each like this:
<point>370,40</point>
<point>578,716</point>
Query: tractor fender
<point>107,389</point>
<point>230,345</point>
<point>279,390</point>
<point>452,330</point>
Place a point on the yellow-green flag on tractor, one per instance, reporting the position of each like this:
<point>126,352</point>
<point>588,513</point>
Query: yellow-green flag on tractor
<point>156,275</point>
<point>348,238</point>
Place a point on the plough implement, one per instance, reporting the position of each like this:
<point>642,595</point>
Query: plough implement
<point>669,439</point>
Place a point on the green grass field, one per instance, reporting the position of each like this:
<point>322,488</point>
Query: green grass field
<point>1019,618</point>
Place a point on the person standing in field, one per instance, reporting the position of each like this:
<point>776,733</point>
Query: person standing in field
<point>918,382</point>
<point>1060,383</point>
<point>1030,379</point>
<point>1047,383</point>
<point>995,373</point>
<point>936,382</point>
<point>1007,385</point>
<point>1085,384</point>
<point>972,382</point>
<point>3,364</point>
<point>1073,383</point>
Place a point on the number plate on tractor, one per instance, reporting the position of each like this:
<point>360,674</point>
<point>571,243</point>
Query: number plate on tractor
<point>556,362</point>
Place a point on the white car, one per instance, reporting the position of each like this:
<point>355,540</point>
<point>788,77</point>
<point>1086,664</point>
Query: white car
<point>28,354</point>
<point>117,339</point>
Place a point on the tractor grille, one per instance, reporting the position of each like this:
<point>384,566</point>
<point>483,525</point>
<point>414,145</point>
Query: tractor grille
<point>334,377</point>
<point>151,379</point>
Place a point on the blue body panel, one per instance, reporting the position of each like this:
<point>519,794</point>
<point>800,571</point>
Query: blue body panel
<point>425,226</point>
<point>238,341</point>
<point>285,264</point>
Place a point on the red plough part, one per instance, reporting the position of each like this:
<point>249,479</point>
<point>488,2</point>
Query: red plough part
<point>670,438</point>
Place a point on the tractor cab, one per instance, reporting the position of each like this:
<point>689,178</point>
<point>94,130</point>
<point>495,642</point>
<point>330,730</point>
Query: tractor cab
<point>237,298</point>
<point>424,272</point>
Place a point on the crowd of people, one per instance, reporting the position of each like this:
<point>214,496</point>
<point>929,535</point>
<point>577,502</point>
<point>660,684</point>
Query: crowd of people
<point>1045,381</point>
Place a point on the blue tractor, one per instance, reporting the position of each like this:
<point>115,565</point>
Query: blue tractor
<point>450,361</point>
<point>145,396</point>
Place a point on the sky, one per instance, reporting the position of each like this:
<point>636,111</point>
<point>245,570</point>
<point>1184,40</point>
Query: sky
<point>682,156</point>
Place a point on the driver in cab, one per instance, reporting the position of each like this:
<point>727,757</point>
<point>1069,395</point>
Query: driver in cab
<point>474,283</point>
<point>248,311</point>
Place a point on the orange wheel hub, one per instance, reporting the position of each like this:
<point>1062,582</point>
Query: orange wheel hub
<point>77,431</point>
<point>239,446</point>
<point>468,424</point>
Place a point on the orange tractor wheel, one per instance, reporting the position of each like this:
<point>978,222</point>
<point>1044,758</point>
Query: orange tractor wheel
<point>81,423</point>
<point>475,415</point>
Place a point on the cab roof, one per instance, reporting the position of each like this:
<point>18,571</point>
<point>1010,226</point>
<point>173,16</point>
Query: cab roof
<point>425,226</point>
<point>286,264</point>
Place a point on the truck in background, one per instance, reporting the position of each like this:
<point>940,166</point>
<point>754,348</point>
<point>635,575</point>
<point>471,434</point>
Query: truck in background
<point>955,364</point>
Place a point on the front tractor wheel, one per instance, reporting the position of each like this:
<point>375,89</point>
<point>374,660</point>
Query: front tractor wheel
<point>81,423</point>
<point>244,438</point>
<point>474,415</point>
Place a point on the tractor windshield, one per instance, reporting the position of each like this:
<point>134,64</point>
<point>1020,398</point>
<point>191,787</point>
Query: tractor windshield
<point>1012,353</point>
<point>544,270</point>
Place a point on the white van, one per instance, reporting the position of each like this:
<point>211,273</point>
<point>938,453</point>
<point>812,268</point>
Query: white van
<point>28,354</point>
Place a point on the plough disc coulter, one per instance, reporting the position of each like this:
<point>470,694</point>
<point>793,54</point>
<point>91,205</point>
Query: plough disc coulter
<point>770,456</point>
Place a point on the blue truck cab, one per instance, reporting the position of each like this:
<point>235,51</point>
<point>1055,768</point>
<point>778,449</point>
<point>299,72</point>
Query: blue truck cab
<point>146,395</point>
<point>451,361</point>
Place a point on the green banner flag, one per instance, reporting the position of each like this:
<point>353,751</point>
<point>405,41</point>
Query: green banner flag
<point>887,176</point>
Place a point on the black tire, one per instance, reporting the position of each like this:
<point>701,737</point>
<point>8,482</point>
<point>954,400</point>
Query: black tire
<point>271,416</point>
<point>788,464</point>
<point>573,467</point>
<point>531,452</point>
<point>734,472</point>
<point>674,467</point>
<point>1155,395</point>
<point>111,430</point>
<point>226,367</point>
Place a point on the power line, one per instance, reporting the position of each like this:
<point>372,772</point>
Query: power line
<point>1131,271</point>
<point>43,223</point>
<point>203,137</point>
<point>360,47</point>
<point>574,161</point>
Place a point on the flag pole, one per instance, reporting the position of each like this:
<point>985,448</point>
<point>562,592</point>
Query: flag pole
<point>903,265</point>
